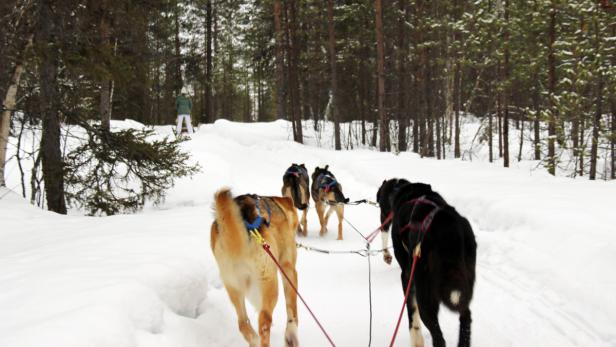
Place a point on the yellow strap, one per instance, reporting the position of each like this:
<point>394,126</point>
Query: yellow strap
<point>417,251</point>
<point>257,236</point>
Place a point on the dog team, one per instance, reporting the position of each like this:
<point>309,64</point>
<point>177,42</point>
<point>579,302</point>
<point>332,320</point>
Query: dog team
<point>416,215</point>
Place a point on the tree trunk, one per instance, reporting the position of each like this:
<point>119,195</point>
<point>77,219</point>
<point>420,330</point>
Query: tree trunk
<point>536,124</point>
<point>613,107</point>
<point>596,124</point>
<point>280,80</point>
<point>178,52</point>
<point>458,105</point>
<point>416,115</point>
<point>506,90</point>
<point>613,139</point>
<point>438,138</point>
<point>49,103</point>
<point>490,137</point>
<point>521,140</point>
<point>582,148</point>
<point>499,118</point>
<point>293,70</point>
<point>332,64</point>
<point>552,92</point>
<point>457,91</point>
<point>105,83</point>
<point>8,106</point>
<point>208,109</point>
<point>403,118</point>
<point>429,133</point>
<point>380,63</point>
<point>595,129</point>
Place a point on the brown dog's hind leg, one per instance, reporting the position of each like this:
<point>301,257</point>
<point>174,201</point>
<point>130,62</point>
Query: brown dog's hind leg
<point>340,214</point>
<point>322,221</point>
<point>291,339</point>
<point>237,299</point>
<point>269,293</point>
<point>305,222</point>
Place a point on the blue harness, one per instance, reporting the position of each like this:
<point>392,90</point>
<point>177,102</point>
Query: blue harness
<point>293,170</point>
<point>327,182</point>
<point>256,224</point>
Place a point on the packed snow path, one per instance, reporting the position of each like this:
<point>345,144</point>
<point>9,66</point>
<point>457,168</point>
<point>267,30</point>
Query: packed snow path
<point>545,277</point>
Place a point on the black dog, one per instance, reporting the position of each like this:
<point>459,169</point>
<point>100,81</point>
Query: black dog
<point>326,190</point>
<point>295,185</point>
<point>445,271</point>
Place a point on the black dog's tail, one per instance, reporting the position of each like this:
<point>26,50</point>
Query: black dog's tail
<point>294,182</point>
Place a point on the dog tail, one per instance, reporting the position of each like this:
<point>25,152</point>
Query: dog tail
<point>229,220</point>
<point>297,199</point>
<point>339,196</point>
<point>294,183</point>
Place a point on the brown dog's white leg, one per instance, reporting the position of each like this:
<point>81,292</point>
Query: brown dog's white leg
<point>291,339</point>
<point>237,299</point>
<point>320,211</point>
<point>340,214</point>
<point>330,210</point>
<point>305,222</point>
<point>269,297</point>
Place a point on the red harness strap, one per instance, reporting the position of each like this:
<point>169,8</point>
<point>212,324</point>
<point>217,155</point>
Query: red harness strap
<point>376,231</point>
<point>266,247</point>
<point>427,221</point>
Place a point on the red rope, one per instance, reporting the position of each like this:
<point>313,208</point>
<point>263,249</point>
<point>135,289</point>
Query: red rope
<point>266,247</point>
<point>406,298</point>
<point>373,234</point>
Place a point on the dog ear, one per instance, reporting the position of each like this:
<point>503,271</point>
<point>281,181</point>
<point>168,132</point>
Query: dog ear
<point>421,188</point>
<point>326,167</point>
<point>302,165</point>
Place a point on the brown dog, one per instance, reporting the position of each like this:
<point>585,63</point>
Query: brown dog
<point>246,269</point>
<point>326,190</point>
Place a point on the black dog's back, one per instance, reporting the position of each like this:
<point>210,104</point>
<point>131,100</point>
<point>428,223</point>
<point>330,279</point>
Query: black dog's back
<point>294,178</point>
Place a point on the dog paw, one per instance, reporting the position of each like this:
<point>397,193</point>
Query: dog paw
<point>290,336</point>
<point>387,258</point>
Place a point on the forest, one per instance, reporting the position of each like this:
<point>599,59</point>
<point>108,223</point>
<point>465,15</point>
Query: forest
<point>402,72</point>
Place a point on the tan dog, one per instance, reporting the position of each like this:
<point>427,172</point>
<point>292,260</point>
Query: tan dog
<point>246,269</point>
<point>326,190</point>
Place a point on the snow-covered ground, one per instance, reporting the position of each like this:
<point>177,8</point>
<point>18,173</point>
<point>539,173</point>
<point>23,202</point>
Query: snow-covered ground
<point>545,267</point>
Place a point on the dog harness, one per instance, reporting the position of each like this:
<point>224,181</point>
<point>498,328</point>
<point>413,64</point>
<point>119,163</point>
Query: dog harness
<point>293,170</point>
<point>425,224</point>
<point>256,224</point>
<point>326,182</point>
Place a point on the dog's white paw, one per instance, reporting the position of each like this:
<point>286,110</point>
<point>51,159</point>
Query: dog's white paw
<point>290,335</point>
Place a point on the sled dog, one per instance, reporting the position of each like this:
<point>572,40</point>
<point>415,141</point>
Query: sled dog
<point>445,270</point>
<point>326,190</point>
<point>295,185</point>
<point>246,270</point>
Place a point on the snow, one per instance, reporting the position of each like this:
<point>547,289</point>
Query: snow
<point>546,252</point>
